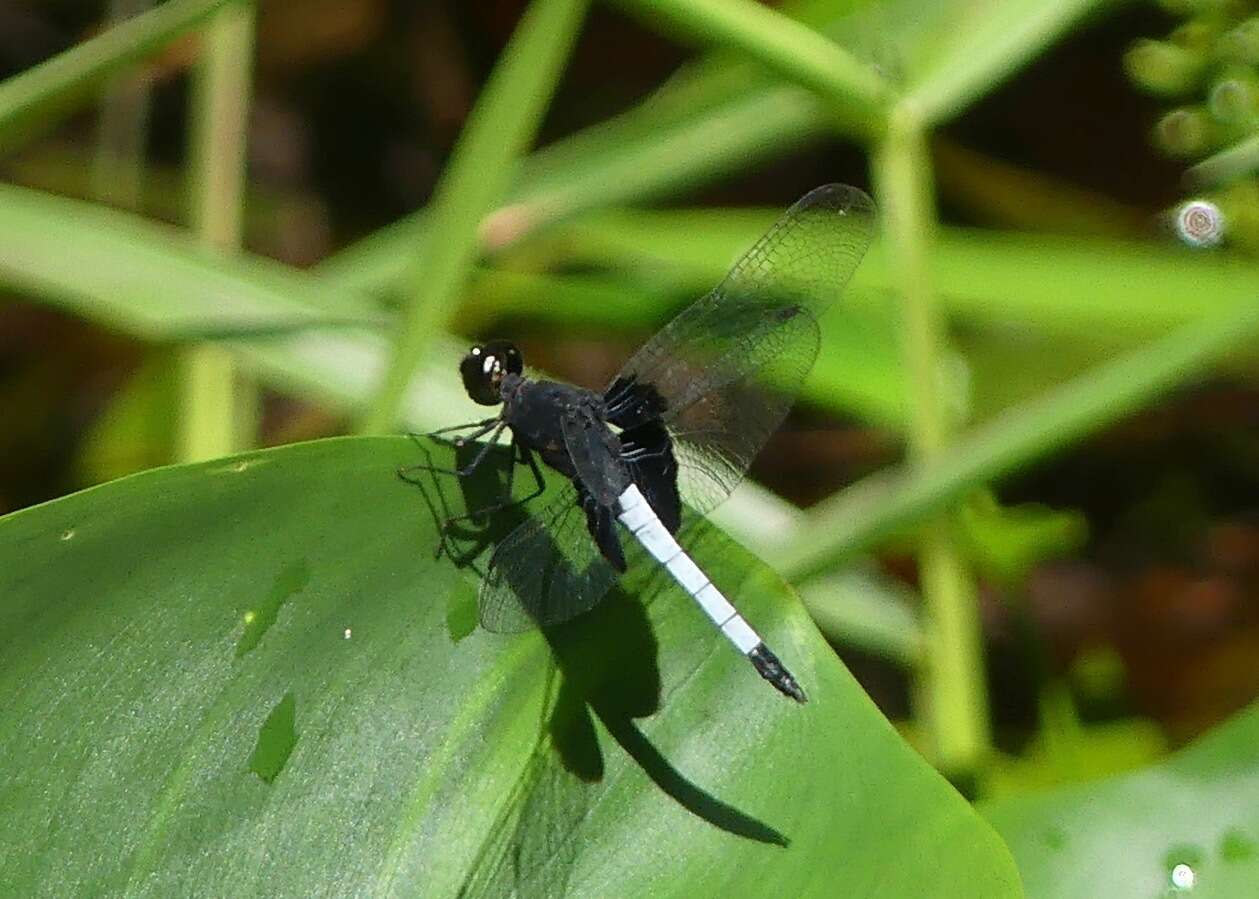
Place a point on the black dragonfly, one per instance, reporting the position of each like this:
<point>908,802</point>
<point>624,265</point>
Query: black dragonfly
<point>681,422</point>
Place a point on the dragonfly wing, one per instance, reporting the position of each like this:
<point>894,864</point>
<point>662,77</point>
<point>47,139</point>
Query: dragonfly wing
<point>717,435</point>
<point>724,373</point>
<point>601,478</point>
<point>546,571</point>
<point>595,453</point>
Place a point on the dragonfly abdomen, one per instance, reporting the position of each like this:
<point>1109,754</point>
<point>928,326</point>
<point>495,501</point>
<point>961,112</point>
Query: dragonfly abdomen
<point>641,520</point>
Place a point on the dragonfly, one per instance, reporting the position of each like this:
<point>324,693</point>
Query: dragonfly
<point>680,423</point>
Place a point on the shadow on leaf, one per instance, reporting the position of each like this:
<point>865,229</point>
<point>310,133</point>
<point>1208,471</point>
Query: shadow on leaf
<point>607,661</point>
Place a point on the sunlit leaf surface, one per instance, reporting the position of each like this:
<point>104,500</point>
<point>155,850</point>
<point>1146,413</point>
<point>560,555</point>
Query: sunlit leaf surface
<point>252,676</point>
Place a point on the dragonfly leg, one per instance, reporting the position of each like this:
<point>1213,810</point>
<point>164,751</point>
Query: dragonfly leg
<point>527,458</point>
<point>638,453</point>
<point>482,427</point>
<point>484,424</point>
<point>484,451</point>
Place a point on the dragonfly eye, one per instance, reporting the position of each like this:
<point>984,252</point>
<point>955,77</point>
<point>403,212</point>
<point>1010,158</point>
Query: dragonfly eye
<point>484,368</point>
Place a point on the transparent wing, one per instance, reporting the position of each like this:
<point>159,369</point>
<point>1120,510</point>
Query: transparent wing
<point>546,571</point>
<point>533,846</point>
<point>726,370</point>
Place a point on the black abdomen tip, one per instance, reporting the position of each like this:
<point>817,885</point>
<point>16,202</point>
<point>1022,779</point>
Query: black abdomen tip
<point>768,666</point>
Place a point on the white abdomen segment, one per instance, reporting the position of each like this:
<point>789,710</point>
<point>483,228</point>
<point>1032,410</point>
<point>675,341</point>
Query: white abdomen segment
<point>637,515</point>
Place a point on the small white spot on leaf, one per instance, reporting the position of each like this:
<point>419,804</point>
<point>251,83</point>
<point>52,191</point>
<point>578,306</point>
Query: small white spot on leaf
<point>1184,877</point>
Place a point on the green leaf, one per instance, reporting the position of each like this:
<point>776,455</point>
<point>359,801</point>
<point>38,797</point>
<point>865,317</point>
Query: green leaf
<point>1005,542</point>
<point>959,51</point>
<point>1097,286</point>
<point>240,677</point>
<point>150,281</point>
<point>852,89</point>
<point>1083,754</point>
<point>340,368</point>
<point>860,606</point>
<point>136,429</point>
<point>153,282</point>
<point>1124,836</point>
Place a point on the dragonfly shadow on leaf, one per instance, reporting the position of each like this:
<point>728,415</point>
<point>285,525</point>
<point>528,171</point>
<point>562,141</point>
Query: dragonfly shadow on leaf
<point>607,659</point>
<point>466,534</point>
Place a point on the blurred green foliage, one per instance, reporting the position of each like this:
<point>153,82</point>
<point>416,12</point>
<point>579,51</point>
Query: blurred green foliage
<point>1209,65</point>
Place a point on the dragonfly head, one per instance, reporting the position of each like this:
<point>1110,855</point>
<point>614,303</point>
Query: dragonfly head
<point>484,368</point>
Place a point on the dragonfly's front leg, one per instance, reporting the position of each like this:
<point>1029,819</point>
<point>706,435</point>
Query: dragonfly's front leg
<point>495,425</point>
<point>482,426</point>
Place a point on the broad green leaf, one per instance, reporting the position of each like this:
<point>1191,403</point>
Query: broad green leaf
<point>149,280</point>
<point>1125,836</point>
<point>252,675</point>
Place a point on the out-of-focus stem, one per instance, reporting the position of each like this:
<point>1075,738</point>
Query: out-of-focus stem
<point>216,410</point>
<point>122,130</point>
<point>949,688</point>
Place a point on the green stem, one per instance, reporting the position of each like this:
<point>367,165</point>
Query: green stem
<point>1059,723</point>
<point>53,86</point>
<point>950,684</point>
<point>221,119</point>
<point>118,167</point>
<point>501,127</point>
<point>216,412</point>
